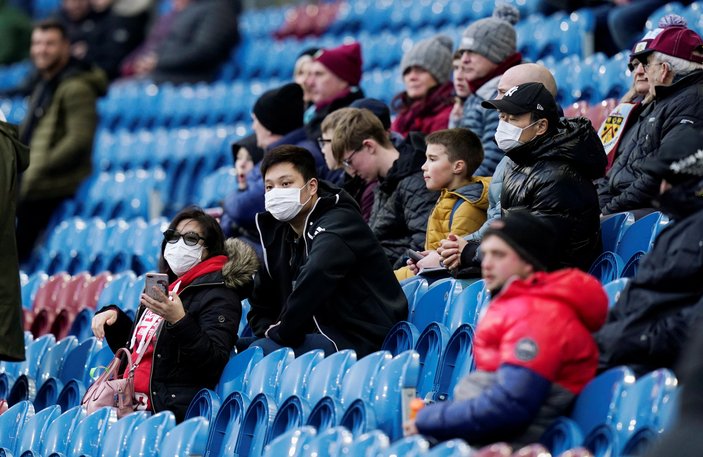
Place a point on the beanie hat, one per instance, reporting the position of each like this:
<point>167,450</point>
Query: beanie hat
<point>433,54</point>
<point>532,237</point>
<point>493,37</point>
<point>249,143</point>
<point>377,107</point>
<point>344,61</point>
<point>281,110</point>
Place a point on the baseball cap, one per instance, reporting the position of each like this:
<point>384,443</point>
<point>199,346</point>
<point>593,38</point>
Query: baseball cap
<point>526,98</point>
<point>676,41</point>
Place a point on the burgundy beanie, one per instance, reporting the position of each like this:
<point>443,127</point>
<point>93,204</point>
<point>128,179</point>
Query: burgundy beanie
<point>344,61</point>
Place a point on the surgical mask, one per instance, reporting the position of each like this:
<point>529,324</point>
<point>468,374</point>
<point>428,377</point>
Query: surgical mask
<point>284,203</point>
<point>181,257</point>
<point>508,135</point>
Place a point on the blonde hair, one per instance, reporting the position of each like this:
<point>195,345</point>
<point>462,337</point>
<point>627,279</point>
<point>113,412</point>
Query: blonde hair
<point>355,126</point>
<point>331,121</point>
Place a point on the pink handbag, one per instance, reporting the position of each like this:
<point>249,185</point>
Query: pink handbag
<point>112,390</point>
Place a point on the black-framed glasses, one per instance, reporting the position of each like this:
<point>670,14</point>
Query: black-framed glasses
<point>189,238</point>
<point>647,65</point>
<point>348,161</point>
<point>322,141</point>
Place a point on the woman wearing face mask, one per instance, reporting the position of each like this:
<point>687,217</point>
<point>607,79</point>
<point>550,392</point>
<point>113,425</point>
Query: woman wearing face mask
<point>554,163</point>
<point>189,333</point>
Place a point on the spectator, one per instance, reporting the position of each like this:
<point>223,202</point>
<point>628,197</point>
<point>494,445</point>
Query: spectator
<point>452,249</point>
<point>626,114</point>
<point>402,203</point>
<point>301,71</point>
<point>15,160</point>
<point>325,282</point>
<point>277,119</point>
<point>488,48</point>
<point>453,156</point>
<point>425,104</point>
<point>527,373</point>
<point>333,83</point>
<point>673,63</point>
<point>190,333</point>
<point>661,304</point>
<point>553,165</point>
<point>199,39</point>
<point>461,89</point>
<point>59,128</point>
<point>15,33</point>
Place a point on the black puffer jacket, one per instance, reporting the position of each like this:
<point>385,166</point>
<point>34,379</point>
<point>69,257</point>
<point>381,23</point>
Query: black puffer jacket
<point>191,354</point>
<point>655,314</point>
<point>627,186</point>
<point>402,204</point>
<point>552,177</point>
<point>343,288</point>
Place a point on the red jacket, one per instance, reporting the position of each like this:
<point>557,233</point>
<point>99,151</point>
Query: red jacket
<point>427,115</point>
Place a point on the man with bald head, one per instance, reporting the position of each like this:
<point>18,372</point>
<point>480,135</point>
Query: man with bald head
<point>451,249</point>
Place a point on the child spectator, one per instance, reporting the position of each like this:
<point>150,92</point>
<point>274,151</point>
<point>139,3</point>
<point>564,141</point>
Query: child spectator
<point>453,156</point>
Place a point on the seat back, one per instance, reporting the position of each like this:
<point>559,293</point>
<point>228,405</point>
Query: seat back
<point>206,403</point>
<point>148,436</point>
<point>325,414</point>
<point>224,431</point>
<point>432,306</point>
<point>456,362</point>
<point>327,377</point>
<point>361,377</point>
<point>34,430</point>
<point>236,372</point>
<point>430,347</point>
<point>71,394</point>
<point>88,435</point>
<point>77,363</point>
<point>464,308</point>
<point>295,376</point>
<point>613,228</point>
<point>12,423</point>
<point>290,414</point>
<point>401,337</point>
<point>607,267</point>
<point>53,359</point>
<point>48,393</point>
<point>254,429</point>
<point>118,437</point>
<point>187,438</point>
<point>640,236</point>
<point>60,431</point>
<point>291,443</point>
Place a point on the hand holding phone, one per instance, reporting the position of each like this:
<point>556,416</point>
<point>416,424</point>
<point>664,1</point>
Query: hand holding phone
<point>416,256</point>
<point>159,280</point>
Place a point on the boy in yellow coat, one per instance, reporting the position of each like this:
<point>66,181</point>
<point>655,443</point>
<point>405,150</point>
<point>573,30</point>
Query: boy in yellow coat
<point>452,157</point>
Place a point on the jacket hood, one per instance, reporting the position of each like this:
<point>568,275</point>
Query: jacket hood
<point>412,156</point>
<point>242,264</point>
<point>575,141</point>
<point>579,291</point>
<point>91,74</point>
<point>21,150</point>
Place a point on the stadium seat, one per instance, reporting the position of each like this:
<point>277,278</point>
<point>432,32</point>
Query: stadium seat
<point>370,443</point>
<point>148,437</point>
<point>361,377</point>
<point>455,363</point>
<point>464,308</point>
<point>291,443</point>
<point>358,418</point>
<point>254,428</point>
<point>206,403</point>
<point>266,374</point>
<point>89,433</point>
<point>225,429</point>
<point>412,446</point>
<point>400,338</point>
<point>12,423</point>
<point>640,235</point>
<point>325,414</point>
<point>71,394</point>
<point>53,359</point>
<point>296,375</point>
<point>58,435</point>
<point>78,362</point>
<point>113,290</point>
<point>290,414</point>
<point>47,394</point>
<point>430,347</point>
<point>452,448</point>
<point>29,289</point>
<point>432,306</point>
<point>613,228</point>
<point>34,430</point>
<point>614,289</point>
<point>561,436</point>
<point>117,439</point>
<point>631,265</point>
<point>326,378</point>
<point>607,267</point>
<point>332,441</point>
<point>603,441</point>
<point>236,373</point>
<point>187,438</point>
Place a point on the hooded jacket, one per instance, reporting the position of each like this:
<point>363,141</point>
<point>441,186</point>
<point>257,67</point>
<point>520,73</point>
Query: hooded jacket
<point>15,159</point>
<point>527,373</point>
<point>343,288</point>
<point>655,314</point>
<point>402,204</point>
<point>628,186</point>
<point>191,354</point>
<point>551,177</point>
<point>61,130</point>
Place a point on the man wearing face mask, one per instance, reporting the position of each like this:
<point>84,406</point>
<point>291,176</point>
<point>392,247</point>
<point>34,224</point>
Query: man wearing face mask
<point>325,282</point>
<point>654,316</point>
<point>553,164</point>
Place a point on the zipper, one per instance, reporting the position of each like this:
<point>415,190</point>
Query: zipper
<point>323,333</point>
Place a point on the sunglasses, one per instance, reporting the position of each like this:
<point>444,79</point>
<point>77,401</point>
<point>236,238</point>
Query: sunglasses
<point>190,238</point>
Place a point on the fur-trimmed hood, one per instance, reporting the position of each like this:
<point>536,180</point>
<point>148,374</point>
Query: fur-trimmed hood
<point>242,264</point>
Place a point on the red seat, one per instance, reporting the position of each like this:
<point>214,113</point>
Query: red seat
<point>39,320</point>
<point>598,112</point>
<point>577,109</point>
<point>532,450</point>
<point>87,296</point>
<point>577,452</point>
<point>495,450</point>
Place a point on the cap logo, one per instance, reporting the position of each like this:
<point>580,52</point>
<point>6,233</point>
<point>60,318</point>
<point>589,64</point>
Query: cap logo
<point>641,46</point>
<point>539,107</point>
<point>511,91</point>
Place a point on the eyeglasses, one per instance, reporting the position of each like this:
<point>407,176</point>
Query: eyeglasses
<point>348,161</point>
<point>190,238</point>
<point>633,65</point>
<point>322,141</point>
<point>646,66</point>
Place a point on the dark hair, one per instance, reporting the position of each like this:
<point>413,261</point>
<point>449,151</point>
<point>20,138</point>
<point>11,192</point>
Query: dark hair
<point>552,122</point>
<point>212,232</point>
<point>51,24</point>
<point>300,158</point>
<point>461,144</point>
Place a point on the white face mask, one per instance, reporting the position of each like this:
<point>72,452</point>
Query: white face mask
<point>508,135</point>
<point>181,257</point>
<point>284,203</point>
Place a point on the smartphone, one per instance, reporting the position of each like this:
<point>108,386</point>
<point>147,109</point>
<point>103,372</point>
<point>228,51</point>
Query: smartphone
<point>159,280</point>
<point>416,256</point>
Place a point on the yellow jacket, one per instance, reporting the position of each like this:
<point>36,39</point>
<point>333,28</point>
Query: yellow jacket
<point>461,212</point>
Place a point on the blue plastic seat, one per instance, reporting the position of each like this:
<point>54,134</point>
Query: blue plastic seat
<point>89,433</point>
<point>456,362</point>
<point>361,377</point>
<point>465,307</point>
<point>631,265</point>
<point>236,372</point>
<point>224,431</point>
<point>398,374</point>
<point>206,403</point>
<point>12,423</point>
<point>358,418</point>
<point>296,375</point>
<point>451,448</point>
<point>34,430</point>
<point>113,290</point>
<point>48,394</point>
<point>71,394</point>
<point>58,435</point>
<point>77,363</point>
<point>329,442</point>
<point>29,290</point>
<point>326,377</point>
<point>118,437</point>
<point>265,375</point>
<point>325,414</point>
<point>640,236</point>
<point>411,287</point>
<point>401,337</point>
<point>562,435</point>
<point>430,346</point>
<point>613,289</point>
<point>370,443</point>
<point>603,441</point>
<point>255,425</point>
<point>290,414</point>
<point>53,359</point>
<point>432,306</point>
<point>607,267</point>
<point>148,436</point>
<point>187,438</point>
<point>613,228</point>
<point>291,443</point>
<point>412,446</point>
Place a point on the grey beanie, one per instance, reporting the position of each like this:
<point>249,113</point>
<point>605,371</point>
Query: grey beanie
<point>493,37</point>
<point>433,54</point>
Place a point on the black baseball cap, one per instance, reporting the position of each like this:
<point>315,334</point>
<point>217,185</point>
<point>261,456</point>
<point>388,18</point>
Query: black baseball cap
<point>680,156</point>
<point>526,98</point>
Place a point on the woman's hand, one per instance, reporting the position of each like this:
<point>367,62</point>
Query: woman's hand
<point>101,320</point>
<point>170,308</point>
